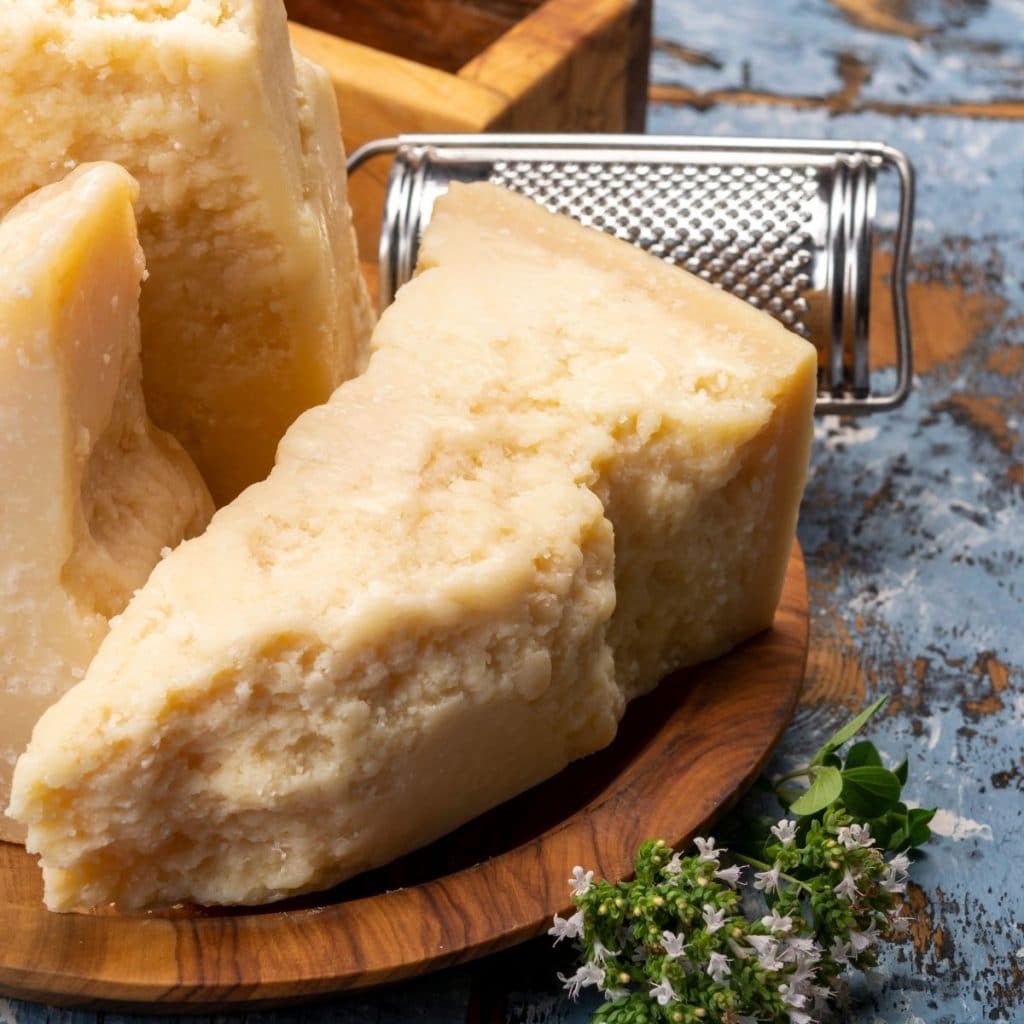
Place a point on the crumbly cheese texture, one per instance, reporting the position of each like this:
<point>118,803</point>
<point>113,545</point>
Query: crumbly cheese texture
<point>254,309</point>
<point>92,491</point>
<point>569,469</point>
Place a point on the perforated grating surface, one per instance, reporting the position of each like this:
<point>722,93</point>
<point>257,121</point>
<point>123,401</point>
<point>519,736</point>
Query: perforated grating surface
<point>748,229</point>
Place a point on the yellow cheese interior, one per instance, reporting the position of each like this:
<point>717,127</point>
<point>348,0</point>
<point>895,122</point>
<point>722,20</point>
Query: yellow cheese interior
<point>92,491</point>
<point>568,469</point>
<point>254,309</point>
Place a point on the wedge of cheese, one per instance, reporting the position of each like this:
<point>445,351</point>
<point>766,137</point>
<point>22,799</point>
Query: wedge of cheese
<point>254,309</point>
<point>92,491</point>
<point>568,469</point>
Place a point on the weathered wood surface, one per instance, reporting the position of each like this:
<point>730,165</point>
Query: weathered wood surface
<point>474,65</point>
<point>914,521</point>
<point>445,34</point>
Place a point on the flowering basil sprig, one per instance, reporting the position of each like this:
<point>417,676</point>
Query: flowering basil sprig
<point>720,938</point>
<point>860,784</point>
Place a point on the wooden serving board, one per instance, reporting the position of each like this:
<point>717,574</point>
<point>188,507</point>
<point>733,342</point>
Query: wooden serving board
<point>474,66</point>
<point>683,754</point>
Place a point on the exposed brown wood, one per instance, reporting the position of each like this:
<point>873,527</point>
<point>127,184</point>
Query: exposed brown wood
<point>570,65</point>
<point>565,67</point>
<point>837,102</point>
<point>443,34</point>
<point>638,65</point>
<point>380,94</point>
<point>878,16</point>
<point>683,754</point>
<point>695,58</point>
<point>948,314</point>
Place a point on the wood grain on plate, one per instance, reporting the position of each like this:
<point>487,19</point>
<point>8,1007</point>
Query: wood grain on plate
<point>682,755</point>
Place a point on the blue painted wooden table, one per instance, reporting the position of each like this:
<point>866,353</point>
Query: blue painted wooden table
<point>913,523</point>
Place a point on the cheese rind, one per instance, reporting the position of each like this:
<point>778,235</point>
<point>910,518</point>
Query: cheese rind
<point>92,490</point>
<point>254,309</point>
<point>567,470</point>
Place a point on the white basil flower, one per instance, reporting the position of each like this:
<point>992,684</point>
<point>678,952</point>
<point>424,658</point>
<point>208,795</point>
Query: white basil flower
<point>567,927</point>
<point>891,882</point>
<point>581,881</point>
<point>674,866</point>
<point>804,971</point>
<point>899,924</point>
<point>792,997</point>
<point>706,849</point>
<point>767,881</point>
<point>718,967</point>
<point>847,888</point>
<point>785,831</point>
<point>900,863</point>
<point>801,946</point>
<point>840,951</point>
<point>821,996</point>
<point>673,945</point>
<point>730,875</point>
<point>861,940</point>
<point>774,923</point>
<point>767,951</point>
<point>588,974</point>
<point>714,919</point>
<point>664,993</point>
<point>852,836</point>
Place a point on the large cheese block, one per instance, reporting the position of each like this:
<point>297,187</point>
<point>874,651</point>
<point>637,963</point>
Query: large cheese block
<point>92,491</point>
<point>569,469</point>
<point>254,309</point>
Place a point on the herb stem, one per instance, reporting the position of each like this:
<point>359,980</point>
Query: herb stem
<point>787,795</point>
<point>796,773</point>
<point>760,864</point>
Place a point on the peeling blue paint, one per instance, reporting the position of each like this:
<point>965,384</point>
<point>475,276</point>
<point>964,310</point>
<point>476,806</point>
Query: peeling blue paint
<point>964,51</point>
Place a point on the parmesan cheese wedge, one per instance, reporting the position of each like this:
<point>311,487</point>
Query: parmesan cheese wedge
<point>92,491</point>
<point>254,309</point>
<point>569,469</point>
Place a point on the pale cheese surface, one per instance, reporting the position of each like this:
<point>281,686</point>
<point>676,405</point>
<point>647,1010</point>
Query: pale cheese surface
<point>92,490</point>
<point>567,470</point>
<point>254,309</point>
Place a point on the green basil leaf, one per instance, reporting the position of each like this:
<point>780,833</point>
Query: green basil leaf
<point>869,791</point>
<point>891,828</point>
<point>883,830</point>
<point>900,771</point>
<point>852,727</point>
<point>863,753</point>
<point>919,835</point>
<point>899,840</point>
<point>920,815</point>
<point>824,790</point>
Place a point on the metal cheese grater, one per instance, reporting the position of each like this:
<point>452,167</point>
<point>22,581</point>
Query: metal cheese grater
<point>789,225</point>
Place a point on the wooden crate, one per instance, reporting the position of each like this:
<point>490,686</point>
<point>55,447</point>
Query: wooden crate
<point>471,66</point>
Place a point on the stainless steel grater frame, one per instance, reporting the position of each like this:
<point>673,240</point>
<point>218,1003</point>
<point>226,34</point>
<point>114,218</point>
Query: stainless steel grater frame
<point>787,224</point>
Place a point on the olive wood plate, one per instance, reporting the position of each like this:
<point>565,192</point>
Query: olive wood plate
<point>683,754</point>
